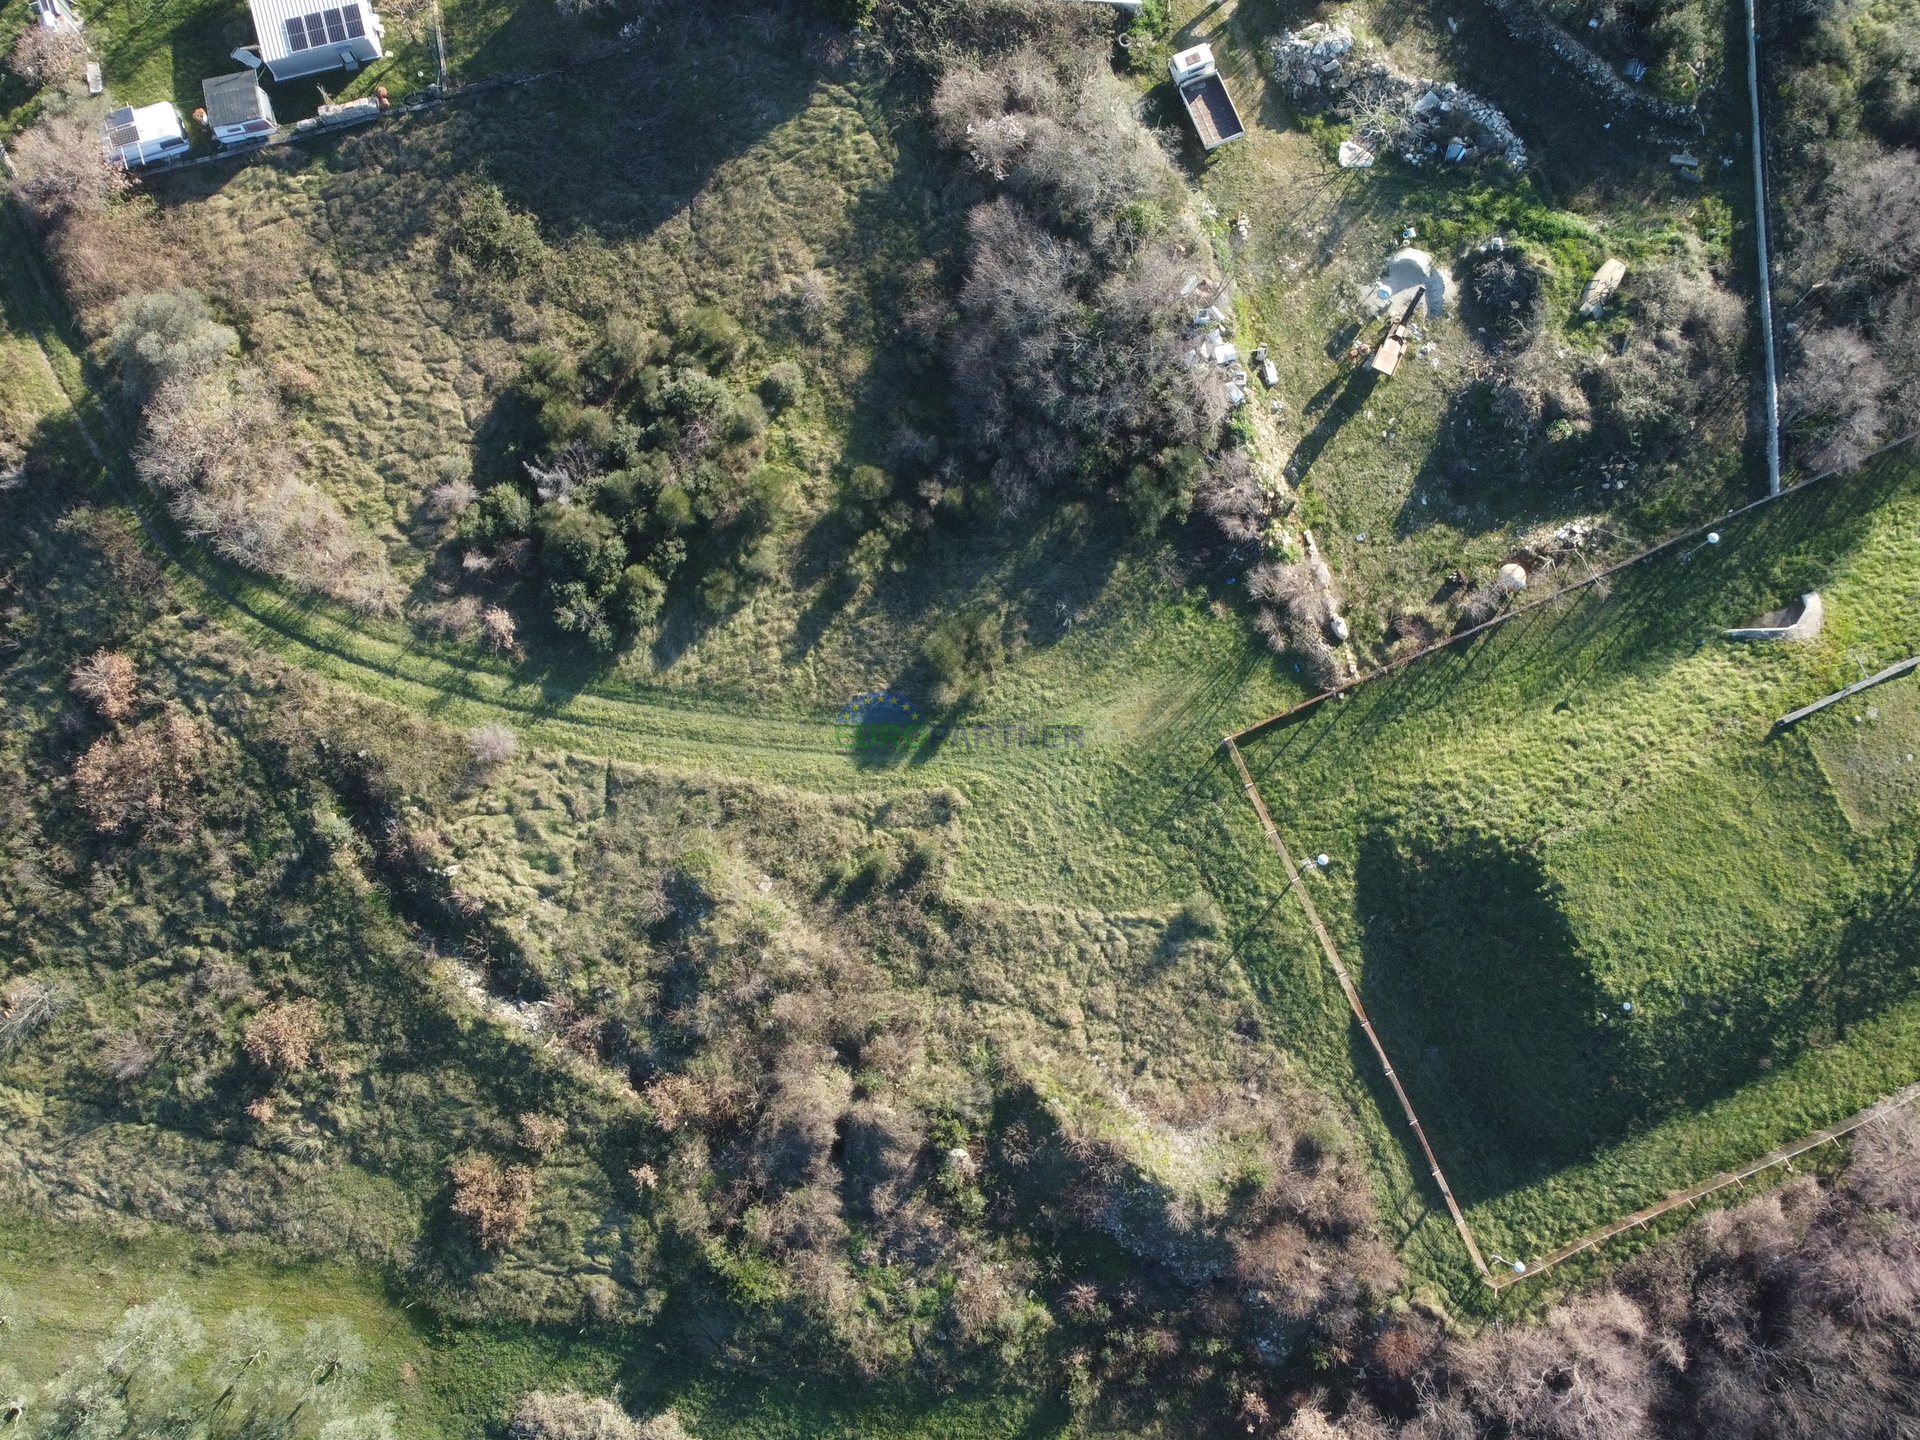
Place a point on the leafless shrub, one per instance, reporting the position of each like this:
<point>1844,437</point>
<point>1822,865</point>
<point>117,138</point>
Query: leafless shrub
<point>451,497</point>
<point>1886,1162</point>
<point>125,1058</point>
<point>496,1201</point>
<point>566,471</point>
<point>569,1415</point>
<point>140,775</point>
<point>63,168</point>
<point>217,447</point>
<point>1230,496</point>
<point>1831,401</point>
<point>497,625</point>
<point>42,56</point>
<point>282,1036</point>
<point>30,1005</point>
<point>106,682</point>
<point>492,745</point>
<point>458,618</point>
<point>1580,1376</point>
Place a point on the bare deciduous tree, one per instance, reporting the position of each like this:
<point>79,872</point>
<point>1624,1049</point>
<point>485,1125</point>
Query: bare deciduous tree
<point>42,55</point>
<point>63,168</point>
<point>1832,399</point>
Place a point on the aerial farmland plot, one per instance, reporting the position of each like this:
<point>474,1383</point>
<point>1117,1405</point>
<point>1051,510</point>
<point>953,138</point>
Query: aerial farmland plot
<point>617,626</point>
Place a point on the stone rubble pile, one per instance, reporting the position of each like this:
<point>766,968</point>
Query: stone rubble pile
<point>1420,120</point>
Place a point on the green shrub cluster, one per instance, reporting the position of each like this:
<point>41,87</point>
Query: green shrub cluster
<point>652,475</point>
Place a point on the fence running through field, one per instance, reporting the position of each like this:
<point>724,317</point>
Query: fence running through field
<point>1499,1280</point>
<point>1572,587</point>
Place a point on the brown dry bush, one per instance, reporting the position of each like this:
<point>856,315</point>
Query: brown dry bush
<point>569,1415</point>
<point>495,1200</point>
<point>1795,1315</point>
<point>106,682</point>
<point>63,171</point>
<point>282,1036</point>
<point>139,776</point>
<point>41,56</point>
<point>217,447</point>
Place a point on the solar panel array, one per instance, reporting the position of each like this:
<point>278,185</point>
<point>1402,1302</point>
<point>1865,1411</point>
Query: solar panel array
<point>121,130</point>
<point>325,27</point>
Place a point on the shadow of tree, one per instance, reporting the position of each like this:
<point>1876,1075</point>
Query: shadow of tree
<point>1496,1025</point>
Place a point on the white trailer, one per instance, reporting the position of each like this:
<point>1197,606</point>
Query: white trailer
<point>1205,95</point>
<point>136,137</point>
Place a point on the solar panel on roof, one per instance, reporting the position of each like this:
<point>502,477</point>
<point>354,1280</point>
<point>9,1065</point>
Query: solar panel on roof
<point>122,116</point>
<point>355,29</point>
<point>296,34</point>
<point>120,136</point>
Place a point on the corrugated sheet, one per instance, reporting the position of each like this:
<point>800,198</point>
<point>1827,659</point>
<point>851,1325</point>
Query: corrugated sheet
<point>270,24</point>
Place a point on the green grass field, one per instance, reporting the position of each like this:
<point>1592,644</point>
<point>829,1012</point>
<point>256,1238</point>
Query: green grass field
<point>1588,809</point>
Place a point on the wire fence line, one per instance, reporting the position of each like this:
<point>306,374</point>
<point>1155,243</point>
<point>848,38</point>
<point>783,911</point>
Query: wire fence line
<point>1594,578</point>
<point>1526,1270</point>
<point>1352,993</point>
<point>1784,1155</point>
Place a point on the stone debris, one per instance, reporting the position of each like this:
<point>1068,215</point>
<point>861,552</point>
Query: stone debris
<point>1420,120</point>
<point>1525,22</point>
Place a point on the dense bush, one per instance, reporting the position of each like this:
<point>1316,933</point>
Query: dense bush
<point>168,336</point>
<point>1068,359</point>
<point>651,460</point>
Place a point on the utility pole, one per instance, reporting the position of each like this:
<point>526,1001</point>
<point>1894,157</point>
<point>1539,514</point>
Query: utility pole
<point>1766,260</point>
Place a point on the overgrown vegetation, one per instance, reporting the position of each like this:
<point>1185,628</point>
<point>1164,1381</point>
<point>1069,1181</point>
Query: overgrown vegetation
<point>647,413</point>
<point>1791,1315</point>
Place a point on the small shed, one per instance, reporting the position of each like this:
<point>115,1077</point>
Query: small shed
<point>297,40</point>
<point>237,110</point>
<point>141,136</point>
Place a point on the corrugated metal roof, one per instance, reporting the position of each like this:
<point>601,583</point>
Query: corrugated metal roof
<point>338,24</point>
<point>233,99</point>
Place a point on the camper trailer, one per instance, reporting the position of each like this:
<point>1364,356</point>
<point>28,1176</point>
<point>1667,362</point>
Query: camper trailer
<point>136,137</point>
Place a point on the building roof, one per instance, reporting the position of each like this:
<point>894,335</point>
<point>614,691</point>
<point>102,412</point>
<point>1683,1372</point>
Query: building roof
<point>128,126</point>
<point>232,99</point>
<point>274,22</point>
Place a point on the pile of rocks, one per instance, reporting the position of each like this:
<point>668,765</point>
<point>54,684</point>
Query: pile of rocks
<point>1310,59</point>
<point>1423,121</point>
